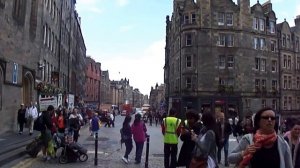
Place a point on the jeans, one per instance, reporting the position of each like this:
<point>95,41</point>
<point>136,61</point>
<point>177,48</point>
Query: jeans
<point>139,150</point>
<point>170,150</point>
<point>128,145</point>
<point>226,146</point>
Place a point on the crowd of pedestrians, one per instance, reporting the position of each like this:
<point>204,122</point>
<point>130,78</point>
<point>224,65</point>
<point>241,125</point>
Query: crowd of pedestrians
<point>205,136</point>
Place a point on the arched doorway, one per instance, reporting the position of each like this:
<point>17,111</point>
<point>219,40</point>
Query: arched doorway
<point>28,88</point>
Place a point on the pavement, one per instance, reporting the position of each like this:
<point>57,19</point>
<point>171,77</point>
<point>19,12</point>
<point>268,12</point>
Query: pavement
<point>12,151</point>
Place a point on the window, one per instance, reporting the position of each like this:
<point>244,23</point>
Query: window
<point>261,24</point>
<point>257,63</point>
<point>188,82</point>
<point>289,82</point>
<point>188,39</point>
<point>298,102</point>
<point>221,18</point>
<point>263,84</point>
<point>221,40</point>
<point>230,61</point>
<point>274,84</point>
<point>221,61</point>
<point>186,19</point>
<point>298,63</point>
<point>284,82</point>
<point>229,19</point>
<point>272,27</point>
<point>263,64</point>
<point>222,81</point>
<point>289,62</point>
<point>256,43</point>
<point>289,103</point>
<point>2,5</point>
<point>193,18</point>
<point>45,34</point>
<point>284,61</point>
<point>274,66</point>
<point>283,40</point>
<point>262,43</point>
<point>229,40</point>
<point>288,41</point>
<point>188,61</point>
<point>273,45</point>
<point>255,23</point>
<point>298,82</point>
<point>257,83</point>
<point>19,10</point>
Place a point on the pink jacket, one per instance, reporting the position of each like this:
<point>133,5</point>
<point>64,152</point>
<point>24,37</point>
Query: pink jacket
<point>139,132</point>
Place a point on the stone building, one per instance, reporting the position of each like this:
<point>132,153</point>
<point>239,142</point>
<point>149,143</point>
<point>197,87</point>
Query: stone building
<point>36,51</point>
<point>105,97</point>
<point>157,98</point>
<point>93,83</point>
<point>222,57</point>
<point>288,42</point>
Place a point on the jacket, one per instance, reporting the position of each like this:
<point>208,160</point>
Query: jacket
<point>284,151</point>
<point>139,132</point>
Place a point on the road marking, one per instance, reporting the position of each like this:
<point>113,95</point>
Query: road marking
<point>99,152</point>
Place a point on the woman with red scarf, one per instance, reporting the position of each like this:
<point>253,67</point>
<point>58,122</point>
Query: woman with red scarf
<point>264,148</point>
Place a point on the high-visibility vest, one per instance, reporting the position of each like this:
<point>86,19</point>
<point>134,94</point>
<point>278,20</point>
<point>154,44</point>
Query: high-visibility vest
<point>171,124</point>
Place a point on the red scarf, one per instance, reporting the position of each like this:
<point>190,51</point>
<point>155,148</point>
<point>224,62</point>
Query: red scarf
<point>259,141</point>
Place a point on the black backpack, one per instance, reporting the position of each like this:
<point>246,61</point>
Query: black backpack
<point>39,124</point>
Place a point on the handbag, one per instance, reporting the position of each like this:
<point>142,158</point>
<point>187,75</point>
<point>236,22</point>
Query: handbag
<point>198,163</point>
<point>202,163</point>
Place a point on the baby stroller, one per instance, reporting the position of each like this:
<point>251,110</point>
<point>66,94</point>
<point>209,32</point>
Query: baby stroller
<point>72,152</point>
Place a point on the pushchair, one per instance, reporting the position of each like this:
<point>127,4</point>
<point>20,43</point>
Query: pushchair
<point>72,152</point>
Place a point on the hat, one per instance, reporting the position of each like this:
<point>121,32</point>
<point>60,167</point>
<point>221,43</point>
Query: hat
<point>22,104</point>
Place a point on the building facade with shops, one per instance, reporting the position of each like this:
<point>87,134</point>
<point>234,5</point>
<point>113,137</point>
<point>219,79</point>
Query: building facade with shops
<point>38,40</point>
<point>226,57</point>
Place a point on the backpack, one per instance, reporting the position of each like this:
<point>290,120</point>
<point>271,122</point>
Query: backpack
<point>39,124</point>
<point>123,136</point>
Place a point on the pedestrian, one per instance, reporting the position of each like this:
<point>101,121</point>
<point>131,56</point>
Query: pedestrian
<point>21,118</point>
<point>112,119</point>
<point>263,148</point>
<point>293,139</point>
<point>46,133</point>
<point>74,124</point>
<point>204,152</point>
<point>95,124</point>
<point>61,123</point>
<point>171,128</point>
<point>127,138</point>
<point>191,123</point>
<point>223,131</point>
<point>138,129</point>
<point>31,115</point>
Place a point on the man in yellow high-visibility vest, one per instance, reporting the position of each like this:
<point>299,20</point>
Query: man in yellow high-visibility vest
<point>171,128</point>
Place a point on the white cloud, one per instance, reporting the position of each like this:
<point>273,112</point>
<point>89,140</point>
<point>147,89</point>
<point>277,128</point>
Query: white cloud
<point>143,72</point>
<point>122,2</point>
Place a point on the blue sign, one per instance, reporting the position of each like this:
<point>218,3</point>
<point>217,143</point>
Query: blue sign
<point>15,74</point>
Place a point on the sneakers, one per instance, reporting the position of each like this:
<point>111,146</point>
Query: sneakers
<point>125,160</point>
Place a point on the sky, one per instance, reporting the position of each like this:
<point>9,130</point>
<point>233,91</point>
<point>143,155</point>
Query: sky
<point>128,36</point>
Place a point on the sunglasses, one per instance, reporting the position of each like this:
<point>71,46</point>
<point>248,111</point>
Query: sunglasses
<point>268,117</point>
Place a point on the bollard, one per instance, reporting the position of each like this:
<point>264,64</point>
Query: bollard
<point>147,151</point>
<point>96,149</point>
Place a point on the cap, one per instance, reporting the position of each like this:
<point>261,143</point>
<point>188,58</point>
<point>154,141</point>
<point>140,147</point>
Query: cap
<point>22,104</point>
